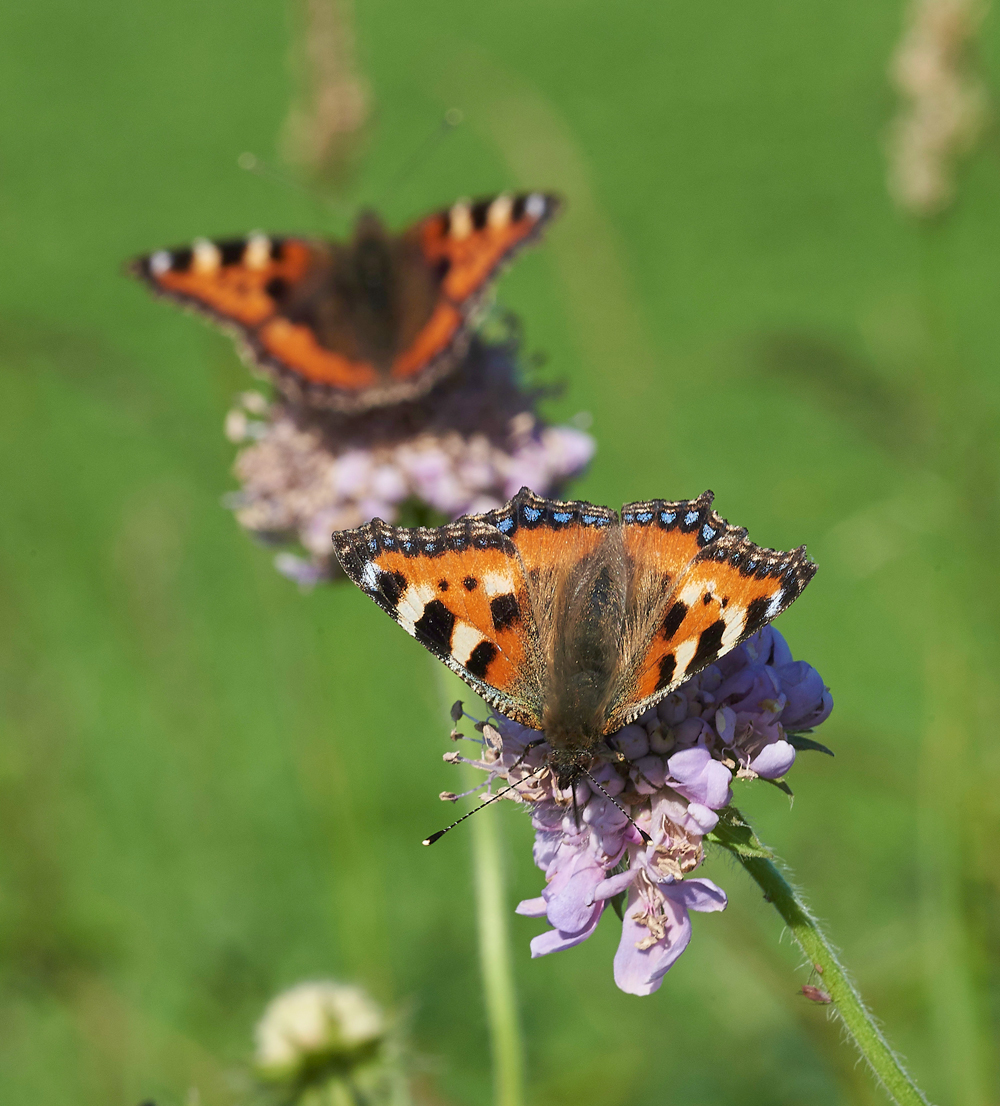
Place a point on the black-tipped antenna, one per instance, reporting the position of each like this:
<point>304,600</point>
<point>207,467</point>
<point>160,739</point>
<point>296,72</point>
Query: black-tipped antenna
<point>449,121</point>
<point>251,163</point>
<point>642,833</point>
<point>492,799</point>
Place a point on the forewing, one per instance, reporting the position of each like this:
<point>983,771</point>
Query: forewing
<point>698,587</point>
<point>236,282</point>
<point>553,538</point>
<point>461,592</point>
<point>243,285</point>
<point>470,242</point>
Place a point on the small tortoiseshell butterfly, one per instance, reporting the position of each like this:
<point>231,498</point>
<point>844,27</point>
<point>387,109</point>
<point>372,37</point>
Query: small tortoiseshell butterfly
<point>570,618</point>
<point>351,326</point>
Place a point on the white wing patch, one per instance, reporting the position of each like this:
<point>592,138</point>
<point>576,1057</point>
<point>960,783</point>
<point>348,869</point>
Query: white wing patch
<point>411,605</point>
<point>684,655</point>
<point>464,639</point>
<point>497,583</point>
<point>735,619</point>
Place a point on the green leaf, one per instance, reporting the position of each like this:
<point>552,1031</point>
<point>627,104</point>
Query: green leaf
<point>798,741</point>
<point>734,834</point>
<point>781,785</point>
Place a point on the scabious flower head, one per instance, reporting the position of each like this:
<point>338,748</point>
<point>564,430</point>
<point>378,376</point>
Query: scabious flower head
<point>317,1026</point>
<point>668,774</point>
<point>466,447</point>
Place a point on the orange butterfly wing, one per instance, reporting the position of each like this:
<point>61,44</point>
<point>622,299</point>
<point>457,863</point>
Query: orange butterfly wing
<point>238,284</point>
<point>483,594</point>
<point>453,255</point>
<point>471,241</point>
<point>698,588</point>
<point>461,592</point>
<point>228,281</point>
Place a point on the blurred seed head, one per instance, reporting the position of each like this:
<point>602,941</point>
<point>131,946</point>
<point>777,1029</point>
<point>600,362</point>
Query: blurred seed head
<point>325,126</point>
<point>943,106</point>
<point>317,1027</point>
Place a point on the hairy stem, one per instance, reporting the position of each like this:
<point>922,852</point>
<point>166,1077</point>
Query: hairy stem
<point>506,1043</point>
<point>734,833</point>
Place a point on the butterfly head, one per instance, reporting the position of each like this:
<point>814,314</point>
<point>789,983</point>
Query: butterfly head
<point>569,766</point>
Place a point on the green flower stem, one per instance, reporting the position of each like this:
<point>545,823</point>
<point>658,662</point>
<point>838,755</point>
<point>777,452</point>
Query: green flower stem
<point>506,1043</point>
<point>735,834</point>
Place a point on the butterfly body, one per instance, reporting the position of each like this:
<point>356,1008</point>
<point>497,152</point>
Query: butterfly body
<point>571,618</point>
<point>366,300</point>
<point>359,324</point>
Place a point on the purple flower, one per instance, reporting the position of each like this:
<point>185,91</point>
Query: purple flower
<point>460,449</point>
<point>656,929</point>
<point>808,701</point>
<point>667,774</point>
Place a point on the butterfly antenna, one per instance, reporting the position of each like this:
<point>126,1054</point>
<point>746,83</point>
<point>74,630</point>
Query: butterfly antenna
<point>449,121</point>
<point>251,163</point>
<point>492,799</point>
<point>642,833</point>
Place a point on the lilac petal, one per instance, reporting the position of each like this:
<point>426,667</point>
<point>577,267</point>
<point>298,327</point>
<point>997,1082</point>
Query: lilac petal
<point>306,574</point>
<point>570,449</point>
<point>737,685</point>
<point>688,764</point>
<point>696,894</point>
<point>673,709</point>
<point>773,760</point>
<point>640,971</point>
<point>809,700</point>
<point>725,724</point>
<point>532,908</point>
<point>632,742</point>
<point>546,847</point>
<point>555,940</point>
<point>615,884</point>
<point>570,893</point>
<point>649,774</point>
<point>760,696</point>
<point>780,653</point>
<point>699,819</point>
<point>700,778</point>
<point>690,730</point>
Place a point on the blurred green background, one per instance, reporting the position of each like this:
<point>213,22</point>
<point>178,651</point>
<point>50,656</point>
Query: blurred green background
<point>213,785</point>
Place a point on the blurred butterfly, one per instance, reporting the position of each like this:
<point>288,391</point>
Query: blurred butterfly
<point>570,618</point>
<point>351,326</point>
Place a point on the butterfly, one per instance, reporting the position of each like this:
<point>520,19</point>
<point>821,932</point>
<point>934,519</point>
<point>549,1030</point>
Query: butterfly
<point>352,326</point>
<point>570,618</point>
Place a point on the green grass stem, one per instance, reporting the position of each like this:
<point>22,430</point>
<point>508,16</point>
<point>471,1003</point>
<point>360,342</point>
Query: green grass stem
<point>499,992</point>
<point>735,834</point>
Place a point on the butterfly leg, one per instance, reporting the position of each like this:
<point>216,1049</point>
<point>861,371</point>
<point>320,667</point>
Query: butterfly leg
<point>533,744</point>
